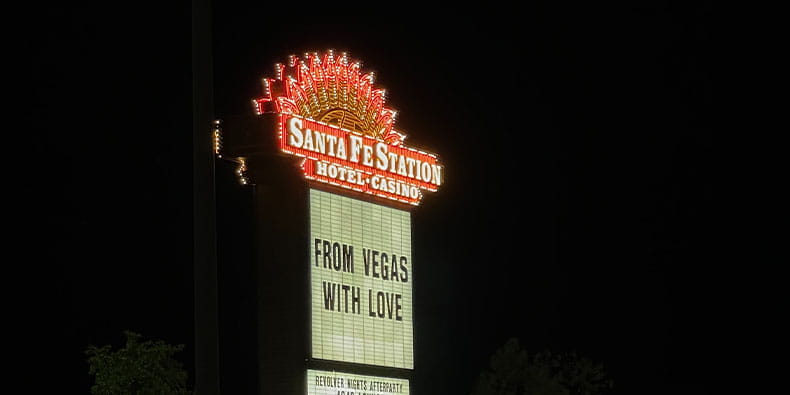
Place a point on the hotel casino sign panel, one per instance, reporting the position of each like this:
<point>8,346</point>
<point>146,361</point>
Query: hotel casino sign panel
<point>331,115</point>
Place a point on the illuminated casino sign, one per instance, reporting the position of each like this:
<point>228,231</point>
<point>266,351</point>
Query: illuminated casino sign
<point>332,115</point>
<point>335,270</point>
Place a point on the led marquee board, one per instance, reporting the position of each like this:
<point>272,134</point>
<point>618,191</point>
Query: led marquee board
<point>333,383</point>
<point>361,282</point>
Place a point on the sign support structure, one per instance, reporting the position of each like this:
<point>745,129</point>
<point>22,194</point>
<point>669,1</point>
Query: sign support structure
<point>204,205</point>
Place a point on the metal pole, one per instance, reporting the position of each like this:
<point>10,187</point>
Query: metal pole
<point>204,204</point>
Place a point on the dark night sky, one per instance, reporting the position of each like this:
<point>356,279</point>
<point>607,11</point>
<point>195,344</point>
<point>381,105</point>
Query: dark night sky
<point>575,140</point>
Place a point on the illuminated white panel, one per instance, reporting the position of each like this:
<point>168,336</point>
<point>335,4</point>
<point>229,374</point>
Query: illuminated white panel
<point>361,303</point>
<point>321,382</point>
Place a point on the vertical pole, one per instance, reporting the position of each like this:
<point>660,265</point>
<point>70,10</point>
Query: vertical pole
<point>204,204</point>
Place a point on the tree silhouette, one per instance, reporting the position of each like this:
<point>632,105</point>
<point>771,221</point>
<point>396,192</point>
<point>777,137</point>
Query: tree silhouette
<point>138,368</point>
<point>514,372</point>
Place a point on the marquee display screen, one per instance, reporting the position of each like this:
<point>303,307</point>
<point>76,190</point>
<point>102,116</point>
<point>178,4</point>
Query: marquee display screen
<point>321,382</point>
<point>361,283</point>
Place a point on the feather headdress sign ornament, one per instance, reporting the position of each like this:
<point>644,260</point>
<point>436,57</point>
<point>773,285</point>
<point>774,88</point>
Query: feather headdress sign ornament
<point>331,113</point>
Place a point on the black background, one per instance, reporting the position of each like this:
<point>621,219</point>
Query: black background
<point>574,213</point>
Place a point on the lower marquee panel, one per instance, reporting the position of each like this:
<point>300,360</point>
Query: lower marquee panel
<point>320,382</point>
